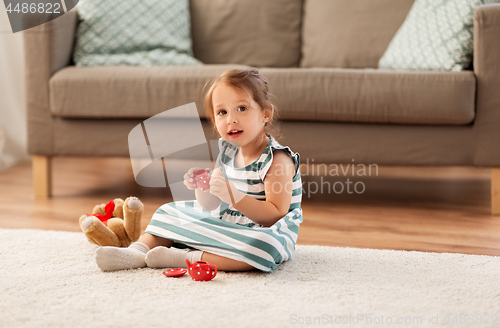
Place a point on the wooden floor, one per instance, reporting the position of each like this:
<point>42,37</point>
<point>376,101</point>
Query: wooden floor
<point>425,209</point>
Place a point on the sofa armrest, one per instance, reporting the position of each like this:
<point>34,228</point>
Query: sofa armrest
<point>487,71</point>
<point>48,48</point>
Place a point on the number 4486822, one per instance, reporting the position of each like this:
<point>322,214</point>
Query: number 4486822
<point>47,8</point>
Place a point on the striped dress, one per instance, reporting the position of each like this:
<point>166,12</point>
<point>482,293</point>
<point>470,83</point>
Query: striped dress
<point>227,232</point>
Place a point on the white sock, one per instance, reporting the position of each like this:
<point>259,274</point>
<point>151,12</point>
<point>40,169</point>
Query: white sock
<point>163,257</point>
<point>119,258</point>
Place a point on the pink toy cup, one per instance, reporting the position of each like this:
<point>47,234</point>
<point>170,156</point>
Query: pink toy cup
<point>202,179</point>
<point>201,270</point>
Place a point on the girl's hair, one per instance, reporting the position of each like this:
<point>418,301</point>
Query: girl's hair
<point>249,80</point>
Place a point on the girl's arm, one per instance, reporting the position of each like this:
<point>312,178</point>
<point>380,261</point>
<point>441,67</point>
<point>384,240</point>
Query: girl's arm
<point>278,185</point>
<point>208,201</point>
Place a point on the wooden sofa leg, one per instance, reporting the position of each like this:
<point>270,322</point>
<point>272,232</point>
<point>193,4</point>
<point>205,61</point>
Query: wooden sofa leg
<point>42,176</point>
<point>495,191</point>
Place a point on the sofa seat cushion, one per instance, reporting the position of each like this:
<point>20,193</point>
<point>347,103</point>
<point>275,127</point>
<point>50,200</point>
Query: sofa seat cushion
<point>373,96</point>
<point>307,94</point>
<point>128,91</point>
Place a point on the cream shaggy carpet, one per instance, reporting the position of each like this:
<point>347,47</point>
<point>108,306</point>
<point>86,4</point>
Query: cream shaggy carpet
<point>49,279</point>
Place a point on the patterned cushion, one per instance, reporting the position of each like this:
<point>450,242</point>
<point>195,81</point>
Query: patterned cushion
<point>134,32</point>
<point>436,35</point>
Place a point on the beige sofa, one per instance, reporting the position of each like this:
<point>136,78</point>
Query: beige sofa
<point>320,57</point>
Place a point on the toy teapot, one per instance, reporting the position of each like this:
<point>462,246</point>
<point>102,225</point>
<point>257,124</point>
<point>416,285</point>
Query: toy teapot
<point>201,270</point>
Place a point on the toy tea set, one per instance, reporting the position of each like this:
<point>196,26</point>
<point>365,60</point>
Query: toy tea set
<point>199,271</point>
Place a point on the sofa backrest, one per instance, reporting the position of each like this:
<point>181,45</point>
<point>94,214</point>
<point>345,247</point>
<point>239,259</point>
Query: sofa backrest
<point>290,33</point>
<point>349,33</point>
<point>251,32</point>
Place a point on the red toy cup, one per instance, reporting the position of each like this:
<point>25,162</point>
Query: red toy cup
<point>201,270</point>
<point>202,179</point>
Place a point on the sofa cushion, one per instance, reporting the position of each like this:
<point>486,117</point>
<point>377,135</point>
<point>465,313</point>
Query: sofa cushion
<point>134,32</point>
<point>328,94</point>
<point>436,35</point>
<point>373,96</point>
<point>349,33</point>
<point>249,32</point>
<point>128,91</point>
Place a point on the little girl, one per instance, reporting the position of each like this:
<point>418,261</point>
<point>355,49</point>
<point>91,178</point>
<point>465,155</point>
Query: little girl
<point>256,193</point>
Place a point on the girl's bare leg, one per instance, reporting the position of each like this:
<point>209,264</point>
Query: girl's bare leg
<point>153,241</point>
<point>225,264</point>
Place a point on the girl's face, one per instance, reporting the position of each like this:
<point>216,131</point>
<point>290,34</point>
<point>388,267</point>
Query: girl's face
<point>238,117</point>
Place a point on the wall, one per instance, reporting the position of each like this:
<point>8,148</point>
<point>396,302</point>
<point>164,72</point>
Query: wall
<point>12,104</point>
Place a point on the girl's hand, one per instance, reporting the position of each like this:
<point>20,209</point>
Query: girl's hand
<point>189,181</point>
<point>219,187</point>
